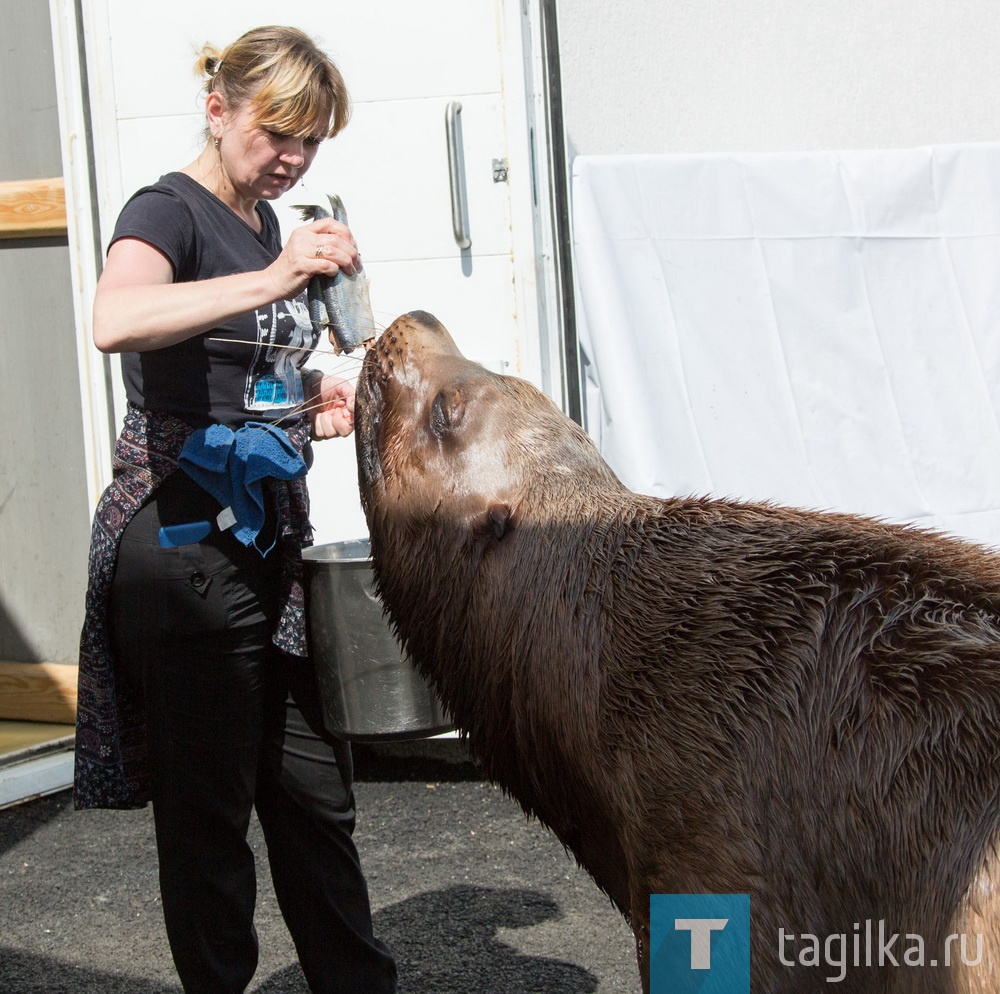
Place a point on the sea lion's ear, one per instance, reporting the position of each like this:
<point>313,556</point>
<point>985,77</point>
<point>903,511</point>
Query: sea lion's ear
<point>447,411</point>
<point>499,519</point>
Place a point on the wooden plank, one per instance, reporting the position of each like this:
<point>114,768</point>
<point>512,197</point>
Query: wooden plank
<point>26,738</point>
<point>38,692</point>
<point>32,208</point>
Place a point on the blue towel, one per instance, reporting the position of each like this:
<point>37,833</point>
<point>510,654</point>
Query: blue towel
<point>231,466</point>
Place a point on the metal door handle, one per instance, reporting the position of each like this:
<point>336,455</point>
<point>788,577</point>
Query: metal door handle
<point>459,208</point>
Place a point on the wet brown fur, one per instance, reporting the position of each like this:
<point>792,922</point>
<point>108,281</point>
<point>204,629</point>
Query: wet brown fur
<point>696,696</point>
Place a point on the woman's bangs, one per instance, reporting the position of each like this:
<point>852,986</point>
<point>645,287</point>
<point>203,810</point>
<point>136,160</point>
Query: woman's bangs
<point>303,112</point>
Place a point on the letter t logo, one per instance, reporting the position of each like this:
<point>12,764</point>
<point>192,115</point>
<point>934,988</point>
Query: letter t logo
<point>699,944</point>
<point>701,930</point>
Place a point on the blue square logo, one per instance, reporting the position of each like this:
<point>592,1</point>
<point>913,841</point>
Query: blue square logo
<point>699,943</point>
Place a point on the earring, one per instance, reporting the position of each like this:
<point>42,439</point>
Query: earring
<point>216,141</point>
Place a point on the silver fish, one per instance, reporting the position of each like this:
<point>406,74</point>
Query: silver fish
<point>339,303</point>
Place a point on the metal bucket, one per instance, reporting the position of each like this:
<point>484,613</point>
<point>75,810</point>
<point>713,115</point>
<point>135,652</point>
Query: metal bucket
<point>369,688</point>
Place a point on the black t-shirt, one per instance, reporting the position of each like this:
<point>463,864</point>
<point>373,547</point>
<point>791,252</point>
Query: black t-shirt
<point>245,377</point>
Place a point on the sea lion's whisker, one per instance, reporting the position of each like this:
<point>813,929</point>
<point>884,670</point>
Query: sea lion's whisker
<point>341,364</point>
<point>317,404</point>
<point>307,407</point>
<point>343,359</point>
<point>294,348</point>
<point>275,345</point>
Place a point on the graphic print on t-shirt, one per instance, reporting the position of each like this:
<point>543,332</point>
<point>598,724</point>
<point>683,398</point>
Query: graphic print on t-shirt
<point>285,335</point>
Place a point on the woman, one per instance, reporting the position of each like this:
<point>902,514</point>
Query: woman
<point>195,689</point>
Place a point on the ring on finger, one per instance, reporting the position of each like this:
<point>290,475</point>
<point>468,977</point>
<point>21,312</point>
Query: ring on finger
<point>319,251</point>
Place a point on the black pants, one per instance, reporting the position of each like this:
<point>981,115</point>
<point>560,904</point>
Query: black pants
<point>235,724</point>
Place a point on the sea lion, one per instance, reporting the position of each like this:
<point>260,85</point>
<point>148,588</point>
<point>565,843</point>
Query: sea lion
<point>695,695</point>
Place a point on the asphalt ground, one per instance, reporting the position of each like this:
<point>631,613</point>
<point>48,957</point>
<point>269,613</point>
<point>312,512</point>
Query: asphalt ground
<point>470,894</point>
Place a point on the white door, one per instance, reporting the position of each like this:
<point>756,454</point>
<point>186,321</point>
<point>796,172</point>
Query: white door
<point>405,65</point>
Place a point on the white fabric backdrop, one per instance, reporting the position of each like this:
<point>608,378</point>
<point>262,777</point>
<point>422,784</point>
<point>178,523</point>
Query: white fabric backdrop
<point>819,329</point>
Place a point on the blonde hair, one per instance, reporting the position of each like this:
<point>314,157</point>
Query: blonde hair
<point>280,72</point>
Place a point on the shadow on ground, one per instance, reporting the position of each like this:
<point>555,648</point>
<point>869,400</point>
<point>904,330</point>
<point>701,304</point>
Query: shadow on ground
<point>445,942</point>
<point>24,973</point>
<point>469,918</point>
<point>463,919</point>
<point>17,825</point>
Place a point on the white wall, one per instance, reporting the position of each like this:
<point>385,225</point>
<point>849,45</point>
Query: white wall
<point>775,75</point>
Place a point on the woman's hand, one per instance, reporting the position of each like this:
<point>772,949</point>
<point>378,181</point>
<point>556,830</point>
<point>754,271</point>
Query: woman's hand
<point>330,404</point>
<point>138,307</point>
<point>321,247</point>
